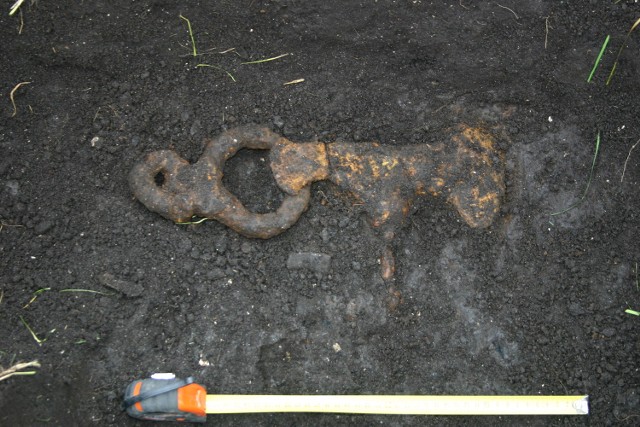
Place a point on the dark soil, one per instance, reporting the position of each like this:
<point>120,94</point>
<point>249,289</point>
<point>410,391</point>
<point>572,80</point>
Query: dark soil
<point>534,304</point>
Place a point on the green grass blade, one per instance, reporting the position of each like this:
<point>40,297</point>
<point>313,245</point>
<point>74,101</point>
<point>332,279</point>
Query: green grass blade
<point>32,332</point>
<point>615,64</point>
<point>595,65</point>
<point>260,61</point>
<point>629,311</point>
<point>584,194</point>
<point>593,166</point>
<point>35,296</point>
<point>230,76</point>
<point>200,221</point>
<point>193,41</point>
<point>613,69</point>
<point>90,291</point>
<point>15,7</point>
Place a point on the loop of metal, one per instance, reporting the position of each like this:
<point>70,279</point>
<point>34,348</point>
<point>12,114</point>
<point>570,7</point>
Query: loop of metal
<point>169,185</point>
<point>467,169</point>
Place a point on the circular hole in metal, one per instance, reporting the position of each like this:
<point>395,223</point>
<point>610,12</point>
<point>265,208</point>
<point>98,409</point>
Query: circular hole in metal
<point>159,179</point>
<point>248,176</point>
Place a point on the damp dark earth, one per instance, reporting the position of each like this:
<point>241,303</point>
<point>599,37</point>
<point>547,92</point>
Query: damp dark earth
<point>537,298</point>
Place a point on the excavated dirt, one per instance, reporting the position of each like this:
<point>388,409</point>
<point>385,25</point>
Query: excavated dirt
<point>533,304</point>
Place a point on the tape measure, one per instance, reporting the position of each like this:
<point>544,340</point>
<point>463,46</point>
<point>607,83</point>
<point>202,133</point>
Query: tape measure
<point>163,397</point>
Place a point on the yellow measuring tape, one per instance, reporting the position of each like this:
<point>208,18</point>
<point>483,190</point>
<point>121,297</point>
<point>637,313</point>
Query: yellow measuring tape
<point>163,397</point>
<point>401,405</point>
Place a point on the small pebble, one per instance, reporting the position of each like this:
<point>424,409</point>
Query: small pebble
<point>278,122</point>
<point>130,289</point>
<point>13,187</point>
<point>43,227</point>
<point>608,332</point>
<point>575,309</point>
<point>319,263</point>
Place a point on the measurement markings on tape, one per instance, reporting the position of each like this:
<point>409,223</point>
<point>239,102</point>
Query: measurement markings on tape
<point>166,398</point>
<point>409,405</point>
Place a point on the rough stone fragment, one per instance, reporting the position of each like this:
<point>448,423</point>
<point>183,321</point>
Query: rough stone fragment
<point>125,287</point>
<point>319,263</point>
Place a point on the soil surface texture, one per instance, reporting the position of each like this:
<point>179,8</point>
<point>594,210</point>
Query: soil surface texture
<point>533,304</point>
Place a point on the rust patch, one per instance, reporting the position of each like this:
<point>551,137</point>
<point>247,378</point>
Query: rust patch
<point>295,166</point>
<point>477,175</point>
<point>393,300</point>
<point>467,169</point>
<point>387,264</point>
<point>189,190</point>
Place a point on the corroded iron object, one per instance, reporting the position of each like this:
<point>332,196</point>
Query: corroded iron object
<point>169,185</point>
<point>467,169</point>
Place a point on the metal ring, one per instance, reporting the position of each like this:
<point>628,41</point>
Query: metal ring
<point>197,189</point>
<point>235,215</point>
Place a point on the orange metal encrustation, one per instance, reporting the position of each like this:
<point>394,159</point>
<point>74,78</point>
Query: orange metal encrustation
<point>466,166</point>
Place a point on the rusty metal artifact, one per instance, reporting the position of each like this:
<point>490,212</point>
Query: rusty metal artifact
<point>467,169</point>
